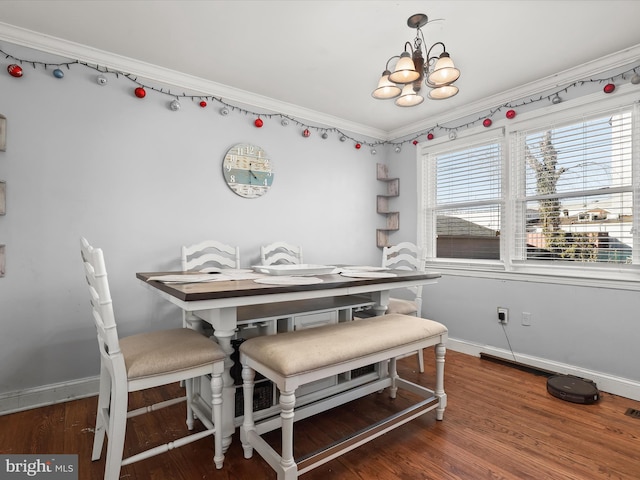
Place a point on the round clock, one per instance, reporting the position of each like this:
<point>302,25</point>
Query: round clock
<point>247,170</point>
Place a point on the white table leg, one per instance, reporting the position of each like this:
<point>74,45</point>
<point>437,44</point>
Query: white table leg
<point>224,322</point>
<point>382,300</point>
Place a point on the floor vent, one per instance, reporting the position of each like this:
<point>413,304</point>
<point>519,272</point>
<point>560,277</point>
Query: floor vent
<point>517,365</point>
<point>632,412</point>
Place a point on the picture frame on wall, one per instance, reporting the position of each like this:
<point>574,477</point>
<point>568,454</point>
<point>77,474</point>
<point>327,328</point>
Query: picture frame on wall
<point>3,197</point>
<point>3,133</point>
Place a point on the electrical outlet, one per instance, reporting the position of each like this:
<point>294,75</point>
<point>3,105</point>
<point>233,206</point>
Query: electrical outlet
<point>526,319</point>
<point>503,315</point>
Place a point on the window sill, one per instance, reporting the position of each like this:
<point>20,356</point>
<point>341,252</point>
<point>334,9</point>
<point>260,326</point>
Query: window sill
<point>624,280</point>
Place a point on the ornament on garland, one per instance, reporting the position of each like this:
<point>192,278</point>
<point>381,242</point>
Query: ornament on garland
<point>343,138</point>
<point>258,123</point>
<point>175,105</point>
<point>224,111</point>
<point>284,122</point>
<point>452,135</point>
<point>398,149</point>
<point>429,136</point>
<point>415,142</point>
<point>358,146</point>
<point>373,151</point>
<point>306,133</point>
<point>609,88</point>
<point>556,100</point>
<point>140,92</point>
<point>635,79</point>
<point>325,135</point>
<point>14,70</point>
<point>510,114</point>
<point>487,122</point>
<point>203,103</point>
<point>58,73</point>
<point>101,79</point>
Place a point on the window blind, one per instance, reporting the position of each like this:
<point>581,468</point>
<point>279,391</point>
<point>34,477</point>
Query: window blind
<point>574,184</point>
<point>466,205</point>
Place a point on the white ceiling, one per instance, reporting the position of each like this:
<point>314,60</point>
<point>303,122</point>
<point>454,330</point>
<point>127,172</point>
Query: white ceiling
<point>326,56</point>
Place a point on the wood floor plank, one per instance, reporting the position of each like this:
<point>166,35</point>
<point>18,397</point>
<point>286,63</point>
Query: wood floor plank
<point>500,423</point>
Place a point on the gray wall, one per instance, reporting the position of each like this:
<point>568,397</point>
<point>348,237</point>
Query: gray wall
<point>140,180</point>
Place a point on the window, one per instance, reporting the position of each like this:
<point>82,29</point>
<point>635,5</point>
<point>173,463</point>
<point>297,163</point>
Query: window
<point>466,201</point>
<point>560,197</point>
<point>576,198</point>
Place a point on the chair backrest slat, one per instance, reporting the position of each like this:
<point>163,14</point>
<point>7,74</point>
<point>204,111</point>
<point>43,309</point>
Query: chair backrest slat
<point>209,253</point>
<point>281,253</point>
<point>405,256</point>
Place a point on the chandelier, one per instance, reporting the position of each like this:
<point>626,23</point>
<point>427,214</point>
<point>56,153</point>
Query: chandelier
<point>404,84</point>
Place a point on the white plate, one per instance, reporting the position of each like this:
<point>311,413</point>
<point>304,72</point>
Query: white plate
<point>301,269</point>
<point>285,280</point>
<point>368,274</point>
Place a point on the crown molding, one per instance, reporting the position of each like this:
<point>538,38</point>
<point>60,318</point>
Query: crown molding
<point>532,89</point>
<point>92,56</point>
<point>76,51</point>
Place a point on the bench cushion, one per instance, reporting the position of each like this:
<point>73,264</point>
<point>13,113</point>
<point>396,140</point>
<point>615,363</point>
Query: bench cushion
<point>319,347</point>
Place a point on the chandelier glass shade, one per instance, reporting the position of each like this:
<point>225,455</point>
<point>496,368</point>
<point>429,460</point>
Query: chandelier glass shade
<point>411,70</point>
<point>409,97</point>
<point>386,88</point>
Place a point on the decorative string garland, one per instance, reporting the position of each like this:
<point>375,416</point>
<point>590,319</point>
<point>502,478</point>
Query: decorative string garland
<point>140,91</point>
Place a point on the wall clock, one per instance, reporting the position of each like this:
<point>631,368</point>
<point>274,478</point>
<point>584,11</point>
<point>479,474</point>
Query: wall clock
<point>247,170</point>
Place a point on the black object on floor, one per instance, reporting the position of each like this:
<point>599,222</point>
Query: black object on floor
<point>573,389</point>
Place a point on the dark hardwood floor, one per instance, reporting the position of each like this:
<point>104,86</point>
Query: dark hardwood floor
<point>500,423</point>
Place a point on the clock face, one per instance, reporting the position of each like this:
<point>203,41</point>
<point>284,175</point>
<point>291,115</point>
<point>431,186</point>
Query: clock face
<point>247,170</point>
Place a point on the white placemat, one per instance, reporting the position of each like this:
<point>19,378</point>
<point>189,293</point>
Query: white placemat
<point>367,274</point>
<point>363,268</point>
<point>186,278</point>
<point>288,280</point>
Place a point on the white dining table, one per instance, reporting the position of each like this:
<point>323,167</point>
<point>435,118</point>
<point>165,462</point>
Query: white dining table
<point>222,303</point>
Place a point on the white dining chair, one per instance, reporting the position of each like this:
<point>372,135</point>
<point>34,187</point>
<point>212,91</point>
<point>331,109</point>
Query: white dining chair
<point>209,255</point>
<point>143,361</point>
<point>206,256</point>
<point>281,253</point>
<point>406,256</point>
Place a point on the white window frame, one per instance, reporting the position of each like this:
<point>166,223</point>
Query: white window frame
<point>592,274</point>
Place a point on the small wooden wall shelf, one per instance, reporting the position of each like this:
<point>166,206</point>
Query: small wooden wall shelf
<point>392,219</point>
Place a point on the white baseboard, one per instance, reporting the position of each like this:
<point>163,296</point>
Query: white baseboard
<point>62,392</point>
<point>48,395</point>
<point>605,382</point>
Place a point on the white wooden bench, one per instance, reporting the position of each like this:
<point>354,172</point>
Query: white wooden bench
<point>293,359</point>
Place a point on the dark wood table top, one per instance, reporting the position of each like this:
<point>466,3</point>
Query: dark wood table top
<point>242,288</point>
